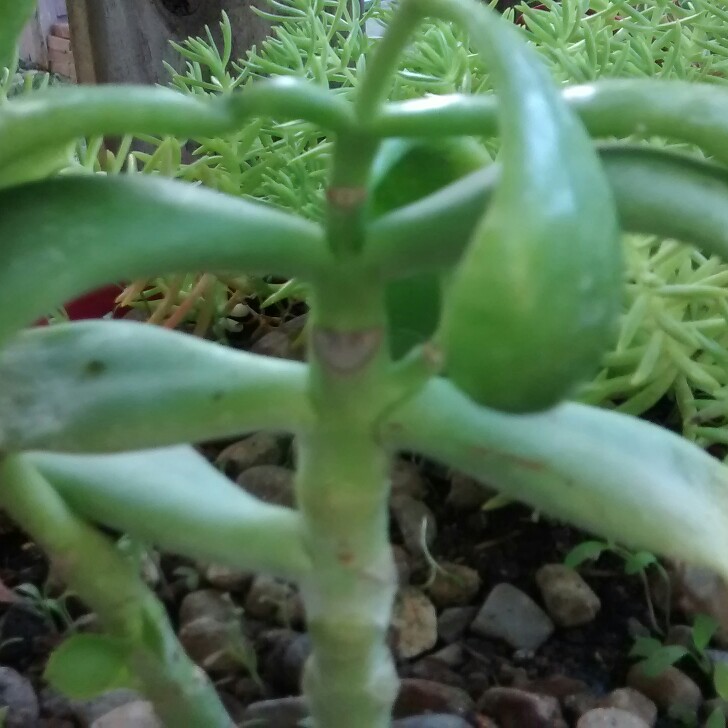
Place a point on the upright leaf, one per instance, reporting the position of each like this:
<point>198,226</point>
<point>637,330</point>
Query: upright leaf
<point>404,172</point>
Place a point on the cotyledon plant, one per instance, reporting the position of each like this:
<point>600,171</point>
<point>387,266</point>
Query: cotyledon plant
<point>95,417</point>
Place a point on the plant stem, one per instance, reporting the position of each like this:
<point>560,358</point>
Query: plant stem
<point>105,580</point>
<point>342,490</point>
<point>383,65</point>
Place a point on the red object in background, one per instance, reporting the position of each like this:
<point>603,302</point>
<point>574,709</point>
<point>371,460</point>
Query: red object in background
<point>93,305</point>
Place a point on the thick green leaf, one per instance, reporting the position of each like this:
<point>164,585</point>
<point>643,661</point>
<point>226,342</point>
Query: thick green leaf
<point>87,665</point>
<point>609,108</point>
<point>657,192</point>
<point>406,170</point>
<point>620,477</point>
<point>36,165</point>
<point>403,172</point>
<point>109,386</point>
<point>65,236</point>
<point>175,499</point>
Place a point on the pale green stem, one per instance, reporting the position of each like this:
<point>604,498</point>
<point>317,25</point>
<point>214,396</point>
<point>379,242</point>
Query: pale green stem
<point>342,489</point>
<point>96,571</point>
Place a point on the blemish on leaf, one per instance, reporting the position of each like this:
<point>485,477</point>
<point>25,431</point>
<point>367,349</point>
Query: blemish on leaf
<point>346,351</point>
<point>346,197</point>
<point>525,463</point>
<point>94,368</point>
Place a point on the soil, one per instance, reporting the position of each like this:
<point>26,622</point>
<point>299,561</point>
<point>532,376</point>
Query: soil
<point>508,545</point>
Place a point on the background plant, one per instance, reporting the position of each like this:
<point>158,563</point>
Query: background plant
<point>635,563</point>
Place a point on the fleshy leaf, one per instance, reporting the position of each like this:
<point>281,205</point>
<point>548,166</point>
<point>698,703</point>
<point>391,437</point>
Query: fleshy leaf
<point>74,234</point>
<point>109,386</point>
<point>173,498</point>
<point>404,172</point>
<point>14,14</point>
<point>620,477</point>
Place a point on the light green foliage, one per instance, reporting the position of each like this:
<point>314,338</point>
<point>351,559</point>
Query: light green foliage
<point>654,656</point>
<point>15,14</point>
<point>19,83</point>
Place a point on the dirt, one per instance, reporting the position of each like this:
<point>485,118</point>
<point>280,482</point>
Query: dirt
<point>508,545</point>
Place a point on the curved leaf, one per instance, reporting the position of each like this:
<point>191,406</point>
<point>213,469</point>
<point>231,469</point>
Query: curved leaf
<point>65,236</point>
<point>175,499</point>
<point>621,108</point>
<point>109,386</point>
<point>58,116</point>
<point>403,172</point>
<point>657,192</point>
<point>615,475</point>
<point>104,579</point>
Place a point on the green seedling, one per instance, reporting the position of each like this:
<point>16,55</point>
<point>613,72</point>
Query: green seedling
<point>636,563</point>
<point>53,609</point>
<point>655,657</point>
<point>96,418</point>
